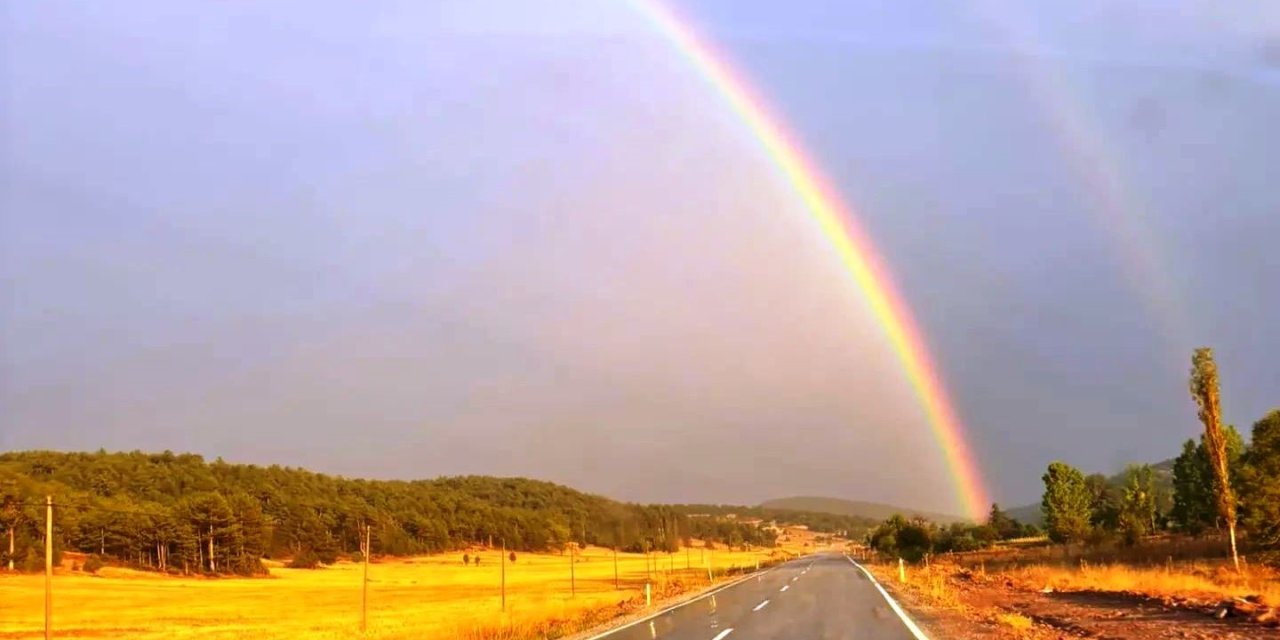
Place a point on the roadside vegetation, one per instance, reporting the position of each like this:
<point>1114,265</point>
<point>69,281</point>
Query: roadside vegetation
<point>1206,538</point>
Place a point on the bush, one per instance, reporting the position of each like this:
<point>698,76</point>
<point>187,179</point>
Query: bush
<point>512,557</point>
<point>306,559</point>
<point>32,562</point>
<point>93,563</point>
<point>357,557</point>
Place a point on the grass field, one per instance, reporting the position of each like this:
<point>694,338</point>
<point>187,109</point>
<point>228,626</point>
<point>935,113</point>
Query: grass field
<point>425,597</point>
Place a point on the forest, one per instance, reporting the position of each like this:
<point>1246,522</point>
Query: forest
<point>179,513</point>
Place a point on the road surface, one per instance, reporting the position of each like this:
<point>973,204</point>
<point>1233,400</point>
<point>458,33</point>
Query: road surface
<point>823,597</point>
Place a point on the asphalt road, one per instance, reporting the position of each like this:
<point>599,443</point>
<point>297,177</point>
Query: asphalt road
<point>823,597</point>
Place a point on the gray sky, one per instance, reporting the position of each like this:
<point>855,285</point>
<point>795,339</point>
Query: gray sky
<point>506,238</point>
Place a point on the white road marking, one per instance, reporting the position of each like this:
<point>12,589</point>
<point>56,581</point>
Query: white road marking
<point>761,605</point>
<point>785,587</point>
<point>795,578</point>
<point>673,607</point>
<point>722,634</point>
<point>911,626</point>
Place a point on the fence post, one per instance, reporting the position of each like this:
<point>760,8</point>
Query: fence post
<point>504,574</point>
<point>364,582</point>
<point>48,567</point>
<point>648,595</point>
<point>902,571</point>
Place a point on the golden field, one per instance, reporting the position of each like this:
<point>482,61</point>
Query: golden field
<point>423,597</point>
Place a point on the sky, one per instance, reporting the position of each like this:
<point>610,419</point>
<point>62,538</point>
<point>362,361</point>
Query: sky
<point>405,240</point>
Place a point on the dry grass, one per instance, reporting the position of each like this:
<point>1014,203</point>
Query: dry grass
<point>427,597</point>
<point>1015,621</point>
<point>1205,581</point>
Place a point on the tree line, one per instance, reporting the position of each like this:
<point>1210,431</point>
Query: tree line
<point>913,538</point>
<point>180,513</point>
<point>1218,482</point>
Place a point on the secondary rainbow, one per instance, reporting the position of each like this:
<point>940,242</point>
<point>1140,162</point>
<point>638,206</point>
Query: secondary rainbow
<point>851,244</point>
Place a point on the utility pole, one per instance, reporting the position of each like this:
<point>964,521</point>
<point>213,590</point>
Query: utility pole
<point>573,583</point>
<point>48,567</point>
<point>504,574</point>
<point>364,582</point>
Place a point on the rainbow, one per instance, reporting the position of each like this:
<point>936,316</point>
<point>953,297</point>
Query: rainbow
<point>1096,165</point>
<point>850,243</point>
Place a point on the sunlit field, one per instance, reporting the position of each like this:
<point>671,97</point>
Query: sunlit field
<point>425,597</point>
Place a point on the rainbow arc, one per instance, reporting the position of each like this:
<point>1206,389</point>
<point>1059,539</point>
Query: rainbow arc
<point>838,225</point>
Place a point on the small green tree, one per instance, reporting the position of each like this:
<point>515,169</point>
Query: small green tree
<point>1260,482</point>
<point>1005,528</point>
<point>1138,506</point>
<point>1104,502</point>
<point>1204,389</point>
<point>1193,510</point>
<point>92,564</point>
<point>1065,503</point>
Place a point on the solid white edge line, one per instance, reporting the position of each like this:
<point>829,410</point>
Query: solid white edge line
<point>906,620</point>
<point>761,605</point>
<point>722,634</point>
<point>673,607</point>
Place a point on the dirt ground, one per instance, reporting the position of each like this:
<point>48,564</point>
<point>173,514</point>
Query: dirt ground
<point>954,603</point>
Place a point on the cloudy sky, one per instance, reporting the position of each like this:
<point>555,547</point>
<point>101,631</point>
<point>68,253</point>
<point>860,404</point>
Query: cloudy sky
<point>518,238</point>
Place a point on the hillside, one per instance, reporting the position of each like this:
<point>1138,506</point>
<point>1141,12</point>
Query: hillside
<point>176,510</point>
<point>869,510</point>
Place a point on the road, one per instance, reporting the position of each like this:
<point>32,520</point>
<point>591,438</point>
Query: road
<point>822,597</point>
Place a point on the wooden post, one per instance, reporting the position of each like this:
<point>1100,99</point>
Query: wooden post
<point>504,574</point>
<point>902,572</point>
<point>648,595</point>
<point>687,553</point>
<point>573,582</point>
<point>615,567</point>
<point>364,583</point>
<point>48,567</point>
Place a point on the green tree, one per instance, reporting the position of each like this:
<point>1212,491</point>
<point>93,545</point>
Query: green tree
<point>1065,504</point>
<point>1005,528</point>
<point>1192,489</point>
<point>1260,482</point>
<point>1138,505</point>
<point>1104,502</point>
<point>1205,391</point>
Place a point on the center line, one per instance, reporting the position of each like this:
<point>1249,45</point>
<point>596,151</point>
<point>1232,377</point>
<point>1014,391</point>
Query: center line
<point>761,605</point>
<point>722,634</point>
<point>795,578</point>
<point>785,587</point>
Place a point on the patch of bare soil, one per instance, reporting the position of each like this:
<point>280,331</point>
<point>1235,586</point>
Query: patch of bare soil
<point>965,606</point>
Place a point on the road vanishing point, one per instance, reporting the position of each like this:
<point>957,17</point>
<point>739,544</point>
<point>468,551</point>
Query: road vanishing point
<point>821,597</point>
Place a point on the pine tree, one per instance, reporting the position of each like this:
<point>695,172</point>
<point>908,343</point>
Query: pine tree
<point>1204,389</point>
<point>1065,504</point>
<point>1192,494</point>
<point>1260,482</point>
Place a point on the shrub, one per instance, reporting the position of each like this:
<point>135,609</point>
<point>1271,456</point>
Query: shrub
<point>93,563</point>
<point>357,556</point>
<point>306,559</point>
<point>32,562</point>
<point>512,557</point>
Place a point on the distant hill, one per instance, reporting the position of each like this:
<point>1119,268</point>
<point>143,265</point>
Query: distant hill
<point>838,506</point>
<point>1163,472</point>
